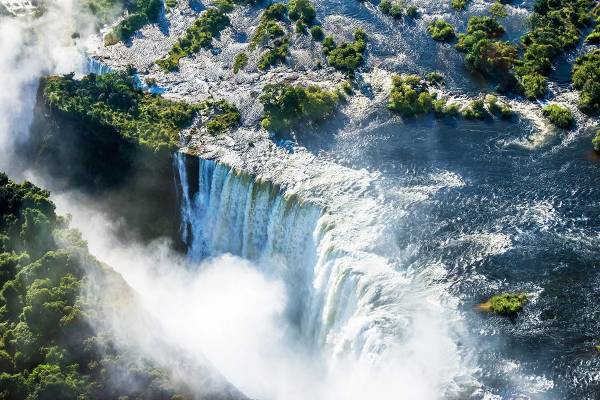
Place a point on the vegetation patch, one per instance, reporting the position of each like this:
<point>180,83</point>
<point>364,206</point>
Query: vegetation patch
<point>48,348</point>
<point>459,4</point>
<point>268,28</point>
<point>586,79</point>
<point>317,33</point>
<point>484,53</point>
<point>498,10</point>
<point>556,27</point>
<point>141,13</point>
<point>287,107</point>
<point>596,140</point>
<point>505,304</point>
<point>594,36</point>
<point>559,116</point>
<point>409,96</point>
<point>441,30</point>
<point>347,56</point>
<point>241,60</point>
<point>113,100</point>
<point>198,36</point>
<point>475,110</point>
<point>497,107</point>
<point>394,8</point>
<point>302,10</point>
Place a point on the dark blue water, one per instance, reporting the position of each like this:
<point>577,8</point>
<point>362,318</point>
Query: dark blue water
<point>537,207</point>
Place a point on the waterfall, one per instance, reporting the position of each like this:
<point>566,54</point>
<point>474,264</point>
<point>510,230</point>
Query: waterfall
<point>95,66</point>
<point>232,212</point>
<point>343,301</point>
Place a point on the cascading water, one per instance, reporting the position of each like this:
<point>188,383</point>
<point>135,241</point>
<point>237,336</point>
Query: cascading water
<point>342,302</point>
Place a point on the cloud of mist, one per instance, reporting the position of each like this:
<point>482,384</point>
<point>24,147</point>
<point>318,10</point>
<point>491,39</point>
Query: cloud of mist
<point>31,47</point>
<point>227,311</point>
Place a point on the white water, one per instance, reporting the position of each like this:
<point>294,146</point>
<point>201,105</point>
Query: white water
<point>365,318</point>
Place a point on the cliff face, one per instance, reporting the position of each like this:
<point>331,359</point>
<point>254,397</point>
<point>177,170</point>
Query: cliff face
<point>115,173</point>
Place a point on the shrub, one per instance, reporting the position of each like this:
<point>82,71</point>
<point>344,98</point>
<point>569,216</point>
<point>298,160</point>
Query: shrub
<point>270,32</point>
<point>586,79</point>
<point>441,30</point>
<point>435,78</point>
<point>506,304</point>
<point>498,108</point>
<point>475,110</point>
<point>141,12</point>
<point>241,60</point>
<point>409,96</point>
<point>459,4</point>
<point>534,85</point>
<point>317,33</point>
<point>498,10</point>
<point>594,36</point>
<point>385,6</point>
<point>274,56</point>
<point>287,107</point>
<point>393,8</point>
<point>412,11</point>
<point>198,36</point>
<point>301,10</point>
<point>559,116</point>
<point>220,115</point>
<point>347,56</point>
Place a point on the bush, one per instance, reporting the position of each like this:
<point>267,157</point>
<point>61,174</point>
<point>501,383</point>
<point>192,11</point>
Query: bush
<point>594,36</point>
<point>270,32</point>
<point>141,12</point>
<point>347,56</point>
<point>274,56</point>
<point>441,30</point>
<point>475,110</point>
<point>506,304</point>
<point>409,96</point>
<point>317,33</point>
<point>559,116</point>
<point>498,108</point>
<point>198,36</point>
<point>534,85</point>
<point>301,10</point>
<point>459,4</point>
<point>498,10</point>
<point>435,78</point>
<point>586,79</point>
<point>385,6</point>
<point>241,60</point>
<point>412,11</point>
<point>393,8</point>
<point>287,107</point>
